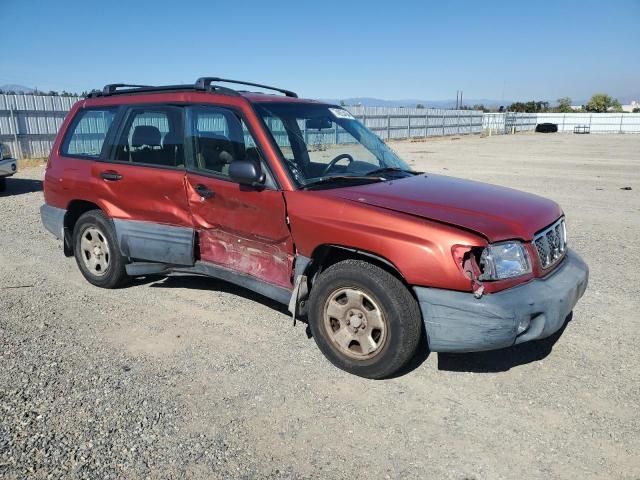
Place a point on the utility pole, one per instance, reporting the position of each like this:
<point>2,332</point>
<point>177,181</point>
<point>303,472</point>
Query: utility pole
<point>458,99</point>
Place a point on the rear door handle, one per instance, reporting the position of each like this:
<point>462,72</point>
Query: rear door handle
<point>111,175</point>
<point>203,191</point>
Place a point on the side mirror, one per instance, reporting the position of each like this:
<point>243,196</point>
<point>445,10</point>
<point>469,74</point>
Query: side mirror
<point>246,172</point>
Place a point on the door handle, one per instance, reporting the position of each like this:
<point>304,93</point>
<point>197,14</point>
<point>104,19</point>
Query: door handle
<point>203,191</point>
<point>111,175</point>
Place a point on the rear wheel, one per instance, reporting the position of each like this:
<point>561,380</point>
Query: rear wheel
<point>96,250</point>
<point>363,319</point>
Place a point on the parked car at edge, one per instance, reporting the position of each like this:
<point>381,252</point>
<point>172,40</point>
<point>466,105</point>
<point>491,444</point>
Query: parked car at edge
<point>8,166</point>
<point>297,200</point>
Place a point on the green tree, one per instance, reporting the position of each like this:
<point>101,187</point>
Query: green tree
<point>564,105</point>
<point>636,110</point>
<point>419,105</point>
<point>601,102</point>
<point>343,103</point>
<point>529,107</point>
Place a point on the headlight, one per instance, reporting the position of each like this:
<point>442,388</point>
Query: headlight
<point>504,260</point>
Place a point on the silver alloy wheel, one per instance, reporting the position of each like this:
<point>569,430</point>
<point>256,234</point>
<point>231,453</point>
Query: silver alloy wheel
<point>95,251</point>
<point>355,323</point>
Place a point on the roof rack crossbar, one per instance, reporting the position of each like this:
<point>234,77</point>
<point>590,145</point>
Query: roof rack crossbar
<point>126,89</point>
<point>203,83</point>
<point>113,87</point>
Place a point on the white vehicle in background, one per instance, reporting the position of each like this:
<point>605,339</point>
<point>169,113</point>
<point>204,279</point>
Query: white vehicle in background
<point>8,166</point>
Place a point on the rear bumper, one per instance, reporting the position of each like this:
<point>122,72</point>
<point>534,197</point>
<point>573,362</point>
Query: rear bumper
<point>53,220</point>
<point>8,167</point>
<point>459,322</point>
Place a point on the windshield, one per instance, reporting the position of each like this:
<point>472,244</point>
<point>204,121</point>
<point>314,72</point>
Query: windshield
<point>322,142</point>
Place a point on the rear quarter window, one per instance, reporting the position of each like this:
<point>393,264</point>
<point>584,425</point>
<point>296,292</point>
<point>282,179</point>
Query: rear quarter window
<point>88,131</point>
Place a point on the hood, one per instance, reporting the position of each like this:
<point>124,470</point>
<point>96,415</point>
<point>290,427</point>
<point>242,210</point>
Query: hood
<point>497,213</point>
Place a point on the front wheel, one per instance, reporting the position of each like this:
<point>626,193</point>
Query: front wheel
<point>96,250</point>
<point>363,319</point>
<point>3,184</point>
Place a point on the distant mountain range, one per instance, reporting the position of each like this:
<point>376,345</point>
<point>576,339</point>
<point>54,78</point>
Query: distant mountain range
<point>10,87</point>
<point>470,102</point>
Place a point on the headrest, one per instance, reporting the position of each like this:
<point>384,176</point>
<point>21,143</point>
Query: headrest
<point>252,154</point>
<point>145,135</point>
<point>219,149</point>
<point>172,138</point>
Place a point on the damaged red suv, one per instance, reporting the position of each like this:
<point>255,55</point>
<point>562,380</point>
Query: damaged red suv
<point>300,202</point>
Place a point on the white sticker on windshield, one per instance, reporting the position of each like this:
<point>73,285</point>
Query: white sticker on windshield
<point>340,113</point>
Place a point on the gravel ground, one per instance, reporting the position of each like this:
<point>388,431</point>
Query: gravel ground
<point>187,377</point>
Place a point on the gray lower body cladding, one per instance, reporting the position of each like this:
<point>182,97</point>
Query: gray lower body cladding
<point>137,240</point>
<point>275,292</point>
<point>172,247</point>
<point>459,322</point>
<point>53,220</point>
<point>153,241</point>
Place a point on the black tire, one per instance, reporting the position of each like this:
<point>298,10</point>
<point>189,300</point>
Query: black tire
<point>3,184</point>
<point>114,275</point>
<point>400,313</point>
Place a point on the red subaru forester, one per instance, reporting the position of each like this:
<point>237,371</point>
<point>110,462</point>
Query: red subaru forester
<point>299,201</point>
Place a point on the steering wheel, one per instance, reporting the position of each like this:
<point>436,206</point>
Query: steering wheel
<point>333,162</point>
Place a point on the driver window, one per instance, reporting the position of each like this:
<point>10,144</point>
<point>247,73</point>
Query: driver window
<point>219,137</point>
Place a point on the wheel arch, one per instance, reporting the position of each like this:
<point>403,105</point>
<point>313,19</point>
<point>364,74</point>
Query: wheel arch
<point>326,255</point>
<point>75,209</point>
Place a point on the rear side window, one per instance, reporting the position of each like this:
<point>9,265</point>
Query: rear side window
<point>88,130</point>
<point>152,136</point>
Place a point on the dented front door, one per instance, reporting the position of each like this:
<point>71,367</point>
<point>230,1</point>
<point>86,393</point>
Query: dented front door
<point>240,228</point>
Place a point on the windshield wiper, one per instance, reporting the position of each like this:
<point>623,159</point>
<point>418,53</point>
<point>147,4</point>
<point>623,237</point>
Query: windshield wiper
<point>380,171</point>
<point>342,179</point>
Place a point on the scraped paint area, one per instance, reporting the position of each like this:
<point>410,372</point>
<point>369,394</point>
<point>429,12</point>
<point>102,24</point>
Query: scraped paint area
<point>267,261</point>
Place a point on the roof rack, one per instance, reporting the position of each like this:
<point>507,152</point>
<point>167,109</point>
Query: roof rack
<point>113,87</point>
<point>202,84</point>
<point>127,89</point>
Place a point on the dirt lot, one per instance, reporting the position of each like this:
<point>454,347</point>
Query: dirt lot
<point>187,377</point>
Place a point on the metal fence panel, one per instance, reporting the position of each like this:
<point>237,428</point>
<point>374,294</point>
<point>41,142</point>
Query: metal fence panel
<point>29,123</point>
<point>401,122</point>
<point>597,122</point>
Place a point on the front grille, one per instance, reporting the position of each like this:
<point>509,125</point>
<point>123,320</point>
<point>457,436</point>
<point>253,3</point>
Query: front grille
<point>551,244</point>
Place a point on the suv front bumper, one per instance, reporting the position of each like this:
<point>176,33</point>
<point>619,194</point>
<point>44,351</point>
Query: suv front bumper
<point>8,167</point>
<point>459,322</point>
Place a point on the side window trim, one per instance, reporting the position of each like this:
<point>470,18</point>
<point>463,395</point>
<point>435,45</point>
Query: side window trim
<point>112,135</point>
<point>190,153</point>
<point>274,142</point>
<point>123,116</point>
<point>66,140</point>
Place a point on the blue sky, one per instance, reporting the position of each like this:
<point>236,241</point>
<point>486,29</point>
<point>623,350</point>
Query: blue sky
<point>330,49</point>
